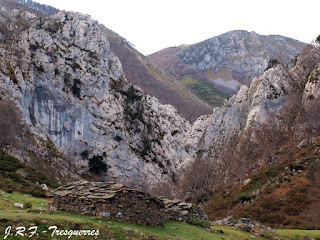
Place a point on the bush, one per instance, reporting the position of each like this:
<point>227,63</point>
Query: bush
<point>37,193</point>
<point>96,165</point>
<point>84,154</point>
<point>76,87</point>
<point>75,66</point>
<point>9,164</point>
<point>198,222</point>
<point>272,63</point>
<point>295,166</point>
<point>40,69</point>
<point>118,138</point>
<point>246,229</point>
<point>9,190</point>
<point>233,221</point>
<point>244,197</point>
<point>28,205</point>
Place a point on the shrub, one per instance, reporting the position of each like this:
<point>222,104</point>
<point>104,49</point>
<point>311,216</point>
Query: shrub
<point>160,164</point>
<point>146,146</point>
<point>75,66</point>
<point>244,197</point>
<point>272,63</point>
<point>233,221</point>
<point>34,211</point>
<point>174,132</point>
<point>246,229</point>
<point>84,154</point>
<point>76,87</point>
<point>132,94</point>
<point>96,165</point>
<point>295,166</point>
<point>9,190</point>
<point>37,193</point>
<point>9,164</point>
<point>40,69</point>
<point>28,205</point>
<point>199,222</point>
<point>35,46</point>
<point>118,138</point>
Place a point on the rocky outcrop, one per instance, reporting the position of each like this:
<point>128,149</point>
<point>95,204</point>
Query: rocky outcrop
<point>245,224</point>
<point>119,202</point>
<point>312,88</point>
<point>266,95</point>
<point>72,90</point>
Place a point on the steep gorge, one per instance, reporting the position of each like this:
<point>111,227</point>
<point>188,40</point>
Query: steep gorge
<point>74,94</point>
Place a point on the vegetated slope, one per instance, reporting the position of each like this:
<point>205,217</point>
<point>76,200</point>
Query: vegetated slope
<point>155,81</point>
<point>284,194</point>
<point>17,176</point>
<point>75,99</point>
<point>228,60</point>
<point>30,6</point>
<point>258,130</point>
<point>204,90</point>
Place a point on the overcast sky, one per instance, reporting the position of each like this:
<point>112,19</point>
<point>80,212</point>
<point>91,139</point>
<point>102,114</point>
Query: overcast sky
<point>152,25</point>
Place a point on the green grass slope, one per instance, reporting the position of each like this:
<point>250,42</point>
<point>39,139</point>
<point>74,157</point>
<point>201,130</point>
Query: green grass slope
<point>37,221</point>
<point>205,91</point>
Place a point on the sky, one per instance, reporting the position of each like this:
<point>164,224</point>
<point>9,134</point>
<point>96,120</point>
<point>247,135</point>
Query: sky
<point>152,25</point>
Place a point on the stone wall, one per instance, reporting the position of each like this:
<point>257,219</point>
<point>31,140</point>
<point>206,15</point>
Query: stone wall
<point>181,211</point>
<point>119,202</point>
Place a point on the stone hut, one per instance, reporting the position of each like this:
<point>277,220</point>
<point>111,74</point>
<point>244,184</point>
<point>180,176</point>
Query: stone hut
<point>119,202</point>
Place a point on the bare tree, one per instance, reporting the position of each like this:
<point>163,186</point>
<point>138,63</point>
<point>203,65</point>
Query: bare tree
<point>196,180</point>
<point>311,119</point>
<point>247,148</point>
<point>12,129</point>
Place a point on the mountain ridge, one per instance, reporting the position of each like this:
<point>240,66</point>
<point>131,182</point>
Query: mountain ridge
<point>227,60</point>
<point>141,72</point>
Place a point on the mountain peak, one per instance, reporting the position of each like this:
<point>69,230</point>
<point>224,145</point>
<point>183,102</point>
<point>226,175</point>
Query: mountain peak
<point>230,59</point>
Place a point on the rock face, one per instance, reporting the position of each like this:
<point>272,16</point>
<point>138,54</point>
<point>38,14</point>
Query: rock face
<point>72,90</point>
<point>119,202</point>
<point>312,88</point>
<point>230,59</point>
<point>271,97</point>
<point>265,95</point>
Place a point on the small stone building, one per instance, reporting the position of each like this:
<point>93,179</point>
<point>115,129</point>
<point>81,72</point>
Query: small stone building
<point>119,202</point>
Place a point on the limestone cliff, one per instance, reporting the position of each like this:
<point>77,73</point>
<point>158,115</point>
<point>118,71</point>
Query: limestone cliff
<point>72,89</point>
<point>266,94</point>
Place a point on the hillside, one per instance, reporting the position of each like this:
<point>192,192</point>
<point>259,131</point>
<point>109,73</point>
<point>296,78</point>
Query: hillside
<point>30,6</point>
<point>228,60</point>
<point>259,151</point>
<point>156,82</point>
<point>285,194</point>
